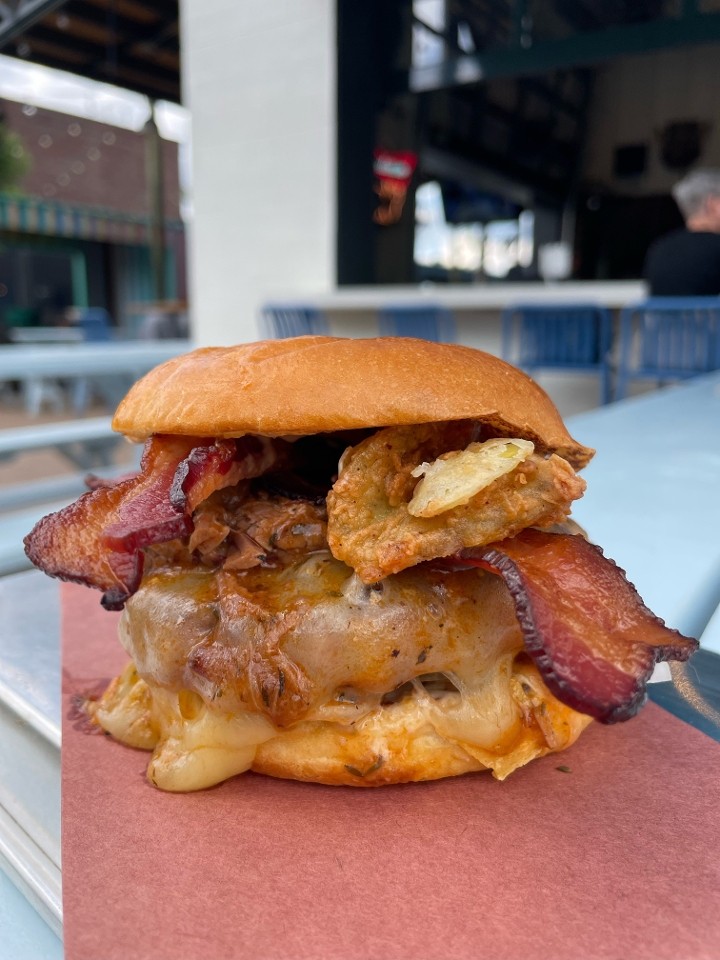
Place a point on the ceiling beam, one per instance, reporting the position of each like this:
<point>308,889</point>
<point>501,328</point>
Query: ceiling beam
<point>580,49</point>
<point>147,84</point>
<point>110,19</point>
<point>15,18</point>
<point>445,165</point>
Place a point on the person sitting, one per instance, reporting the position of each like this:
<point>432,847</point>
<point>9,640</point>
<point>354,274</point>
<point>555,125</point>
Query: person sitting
<point>686,262</point>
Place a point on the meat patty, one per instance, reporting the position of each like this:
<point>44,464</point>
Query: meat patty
<point>294,642</point>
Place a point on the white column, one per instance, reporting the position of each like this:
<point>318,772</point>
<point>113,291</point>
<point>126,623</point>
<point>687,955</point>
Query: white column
<point>259,79</point>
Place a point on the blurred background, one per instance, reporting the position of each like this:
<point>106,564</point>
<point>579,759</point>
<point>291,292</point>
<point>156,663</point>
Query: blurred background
<point>213,172</point>
<point>488,172</point>
<point>512,124</point>
<point>168,170</point>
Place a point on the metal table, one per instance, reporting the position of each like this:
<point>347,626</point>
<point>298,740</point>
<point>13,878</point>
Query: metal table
<point>24,362</point>
<point>37,366</point>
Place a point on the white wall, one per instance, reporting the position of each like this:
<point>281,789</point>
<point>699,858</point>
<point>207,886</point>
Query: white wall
<point>635,97</point>
<point>259,79</point>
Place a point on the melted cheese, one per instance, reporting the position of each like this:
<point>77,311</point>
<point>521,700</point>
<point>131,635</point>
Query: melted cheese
<point>502,724</point>
<point>193,745</point>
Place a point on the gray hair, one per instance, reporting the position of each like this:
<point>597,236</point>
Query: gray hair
<point>692,191</point>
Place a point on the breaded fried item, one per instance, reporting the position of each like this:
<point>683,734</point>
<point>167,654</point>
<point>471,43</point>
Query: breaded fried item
<point>371,529</point>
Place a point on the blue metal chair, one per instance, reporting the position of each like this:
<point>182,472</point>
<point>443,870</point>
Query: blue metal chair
<point>572,337</point>
<point>426,321</point>
<point>97,327</point>
<point>278,322</point>
<point>95,324</point>
<point>668,338</point>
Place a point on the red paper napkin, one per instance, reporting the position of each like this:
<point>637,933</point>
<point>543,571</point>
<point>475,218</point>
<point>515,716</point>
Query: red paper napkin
<point>617,858</point>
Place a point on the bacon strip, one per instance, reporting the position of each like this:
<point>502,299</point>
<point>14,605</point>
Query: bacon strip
<point>584,624</point>
<point>98,540</point>
<point>222,464</point>
<point>93,481</point>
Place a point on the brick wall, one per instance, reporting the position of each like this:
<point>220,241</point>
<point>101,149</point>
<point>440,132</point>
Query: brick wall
<point>82,161</point>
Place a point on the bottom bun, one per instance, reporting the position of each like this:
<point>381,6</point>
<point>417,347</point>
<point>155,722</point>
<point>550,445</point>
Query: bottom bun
<point>403,748</point>
<point>426,735</point>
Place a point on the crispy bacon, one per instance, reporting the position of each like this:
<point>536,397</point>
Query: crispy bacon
<point>584,624</point>
<point>98,540</point>
<point>93,481</point>
<point>224,463</point>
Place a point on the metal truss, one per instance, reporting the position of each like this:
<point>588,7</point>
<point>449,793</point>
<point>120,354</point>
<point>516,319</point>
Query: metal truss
<point>518,54</point>
<point>17,16</point>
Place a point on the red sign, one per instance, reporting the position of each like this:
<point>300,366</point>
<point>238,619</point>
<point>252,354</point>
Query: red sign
<point>395,165</point>
<point>393,171</point>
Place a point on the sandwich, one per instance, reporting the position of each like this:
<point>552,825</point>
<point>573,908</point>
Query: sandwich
<point>351,562</point>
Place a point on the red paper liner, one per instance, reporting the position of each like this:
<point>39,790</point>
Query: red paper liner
<point>615,856</point>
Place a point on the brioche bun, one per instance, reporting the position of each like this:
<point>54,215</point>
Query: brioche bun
<point>309,385</point>
<point>409,744</point>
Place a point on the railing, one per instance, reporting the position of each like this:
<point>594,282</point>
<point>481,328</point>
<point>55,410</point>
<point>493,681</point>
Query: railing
<point>88,444</point>
<point>110,366</point>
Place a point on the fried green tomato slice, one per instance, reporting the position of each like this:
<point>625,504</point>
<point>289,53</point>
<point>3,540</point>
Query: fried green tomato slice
<point>371,528</point>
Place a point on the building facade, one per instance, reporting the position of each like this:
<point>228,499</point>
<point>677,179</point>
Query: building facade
<point>76,229</point>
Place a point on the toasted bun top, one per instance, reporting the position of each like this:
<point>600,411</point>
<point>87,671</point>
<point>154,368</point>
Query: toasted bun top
<point>308,385</point>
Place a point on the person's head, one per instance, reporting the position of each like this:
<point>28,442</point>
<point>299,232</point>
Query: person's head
<point>698,197</point>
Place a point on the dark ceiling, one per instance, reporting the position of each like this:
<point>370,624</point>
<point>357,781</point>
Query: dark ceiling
<point>511,91</point>
<point>129,43</point>
<point>135,44</point>
<point>486,39</point>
